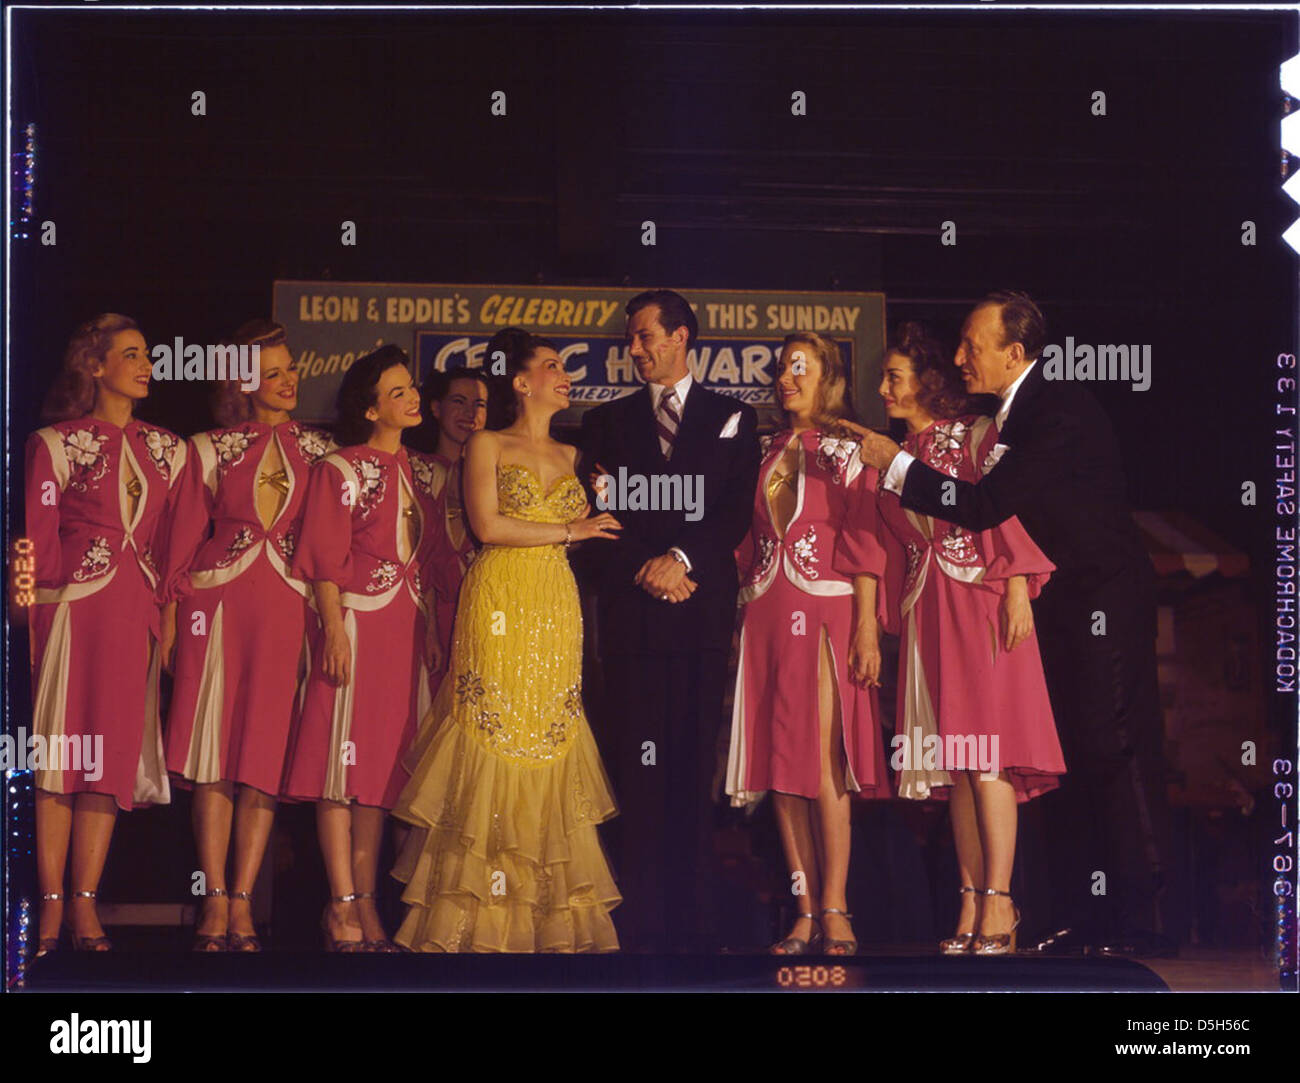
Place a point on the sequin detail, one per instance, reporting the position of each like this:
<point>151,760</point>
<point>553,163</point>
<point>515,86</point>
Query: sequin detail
<point>95,561</point>
<point>805,553</point>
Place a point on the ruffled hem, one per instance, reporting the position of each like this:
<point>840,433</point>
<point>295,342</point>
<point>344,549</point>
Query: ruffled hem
<point>504,858</point>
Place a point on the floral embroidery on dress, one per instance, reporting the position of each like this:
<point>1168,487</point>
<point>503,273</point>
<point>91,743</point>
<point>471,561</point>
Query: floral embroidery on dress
<point>95,561</point>
<point>945,449</point>
<point>373,485</point>
<point>766,553</point>
<point>161,447</point>
<point>286,543</point>
<point>958,545</point>
<point>834,455</point>
<point>84,449</point>
<point>242,540</point>
<point>805,553</point>
<point>230,447</point>
<point>913,564</point>
<point>422,472</point>
<point>312,443</point>
<point>383,577</point>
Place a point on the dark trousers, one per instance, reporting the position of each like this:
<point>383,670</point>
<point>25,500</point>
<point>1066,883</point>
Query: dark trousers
<point>662,712</point>
<point>1110,814</point>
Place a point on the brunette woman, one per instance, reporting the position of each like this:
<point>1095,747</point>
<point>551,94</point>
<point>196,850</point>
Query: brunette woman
<point>975,723</point>
<point>368,682</point>
<point>98,485</point>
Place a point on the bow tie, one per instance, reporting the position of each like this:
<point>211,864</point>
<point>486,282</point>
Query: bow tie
<point>279,479</point>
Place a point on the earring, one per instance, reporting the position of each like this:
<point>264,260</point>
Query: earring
<point>529,392</point>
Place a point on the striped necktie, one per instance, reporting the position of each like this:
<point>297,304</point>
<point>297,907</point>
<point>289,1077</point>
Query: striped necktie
<point>667,422</point>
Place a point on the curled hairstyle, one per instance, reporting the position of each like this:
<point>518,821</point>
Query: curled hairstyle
<point>941,393</point>
<point>73,393</point>
<point>359,391</point>
<point>517,347</point>
<point>1022,321</point>
<point>230,405</point>
<point>831,398</point>
<point>674,312</point>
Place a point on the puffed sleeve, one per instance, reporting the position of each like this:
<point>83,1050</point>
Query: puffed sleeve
<point>860,542</point>
<point>184,528</point>
<point>42,510</point>
<point>325,538</point>
<point>1007,548</point>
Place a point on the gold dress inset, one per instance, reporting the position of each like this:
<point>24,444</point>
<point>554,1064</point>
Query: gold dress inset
<point>506,783</point>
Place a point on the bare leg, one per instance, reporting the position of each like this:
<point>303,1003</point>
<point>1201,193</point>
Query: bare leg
<point>334,829</point>
<point>211,816</point>
<point>53,832</point>
<point>832,800</point>
<point>367,836</point>
<point>92,830</point>
<point>253,819</point>
<point>970,854</point>
<point>795,824</point>
<point>995,809</point>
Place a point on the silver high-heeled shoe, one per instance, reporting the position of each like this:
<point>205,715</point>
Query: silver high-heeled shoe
<point>998,943</point>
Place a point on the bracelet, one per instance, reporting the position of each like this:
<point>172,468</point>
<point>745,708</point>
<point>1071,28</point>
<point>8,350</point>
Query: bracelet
<point>568,535</point>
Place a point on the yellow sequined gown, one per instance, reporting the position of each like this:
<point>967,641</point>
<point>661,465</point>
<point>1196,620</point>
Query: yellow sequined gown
<point>506,784</point>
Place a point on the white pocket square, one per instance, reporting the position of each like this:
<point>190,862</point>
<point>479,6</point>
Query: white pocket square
<point>991,459</point>
<point>731,427</point>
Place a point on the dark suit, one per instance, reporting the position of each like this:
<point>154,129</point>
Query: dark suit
<point>1062,475</point>
<point>664,664</point>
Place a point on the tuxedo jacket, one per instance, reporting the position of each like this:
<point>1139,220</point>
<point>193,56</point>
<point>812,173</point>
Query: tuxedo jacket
<point>623,435</point>
<point>1061,474</point>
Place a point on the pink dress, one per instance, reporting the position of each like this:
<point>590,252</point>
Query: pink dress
<point>448,547</point>
<point>241,616</point>
<point>95,619</point>
<point>350,739</point>
<point>793,587</point>
<point>987,708</point>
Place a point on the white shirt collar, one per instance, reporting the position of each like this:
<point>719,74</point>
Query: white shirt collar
<point>1010,394</point>
<point>682,386</point>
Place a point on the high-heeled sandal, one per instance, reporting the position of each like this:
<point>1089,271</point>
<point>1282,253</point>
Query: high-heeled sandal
<point>238,941</point>
<point>383,945</point>
<point>50,943</point>
<point>89,943</point>
<point>959,943</point>
<point>797,945</point>
<point>343,946</point>
<point>998,943</point>
<point>839,947</point>
<point>205,942</point>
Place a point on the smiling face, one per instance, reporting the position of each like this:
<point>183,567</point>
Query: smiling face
<point>462,411</point>
<point>987,366</point>
<point>278,389</point>
<point>798,375</point>
<point>546,378</point>
<point>899,388</point>
<point>397,401</point>
<point>660,357</point>
<point>126,367</point>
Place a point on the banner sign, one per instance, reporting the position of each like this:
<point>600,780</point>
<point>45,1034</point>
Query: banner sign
<point>442,327</point>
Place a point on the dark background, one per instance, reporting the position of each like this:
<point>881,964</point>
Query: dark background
<point>1126,228</point>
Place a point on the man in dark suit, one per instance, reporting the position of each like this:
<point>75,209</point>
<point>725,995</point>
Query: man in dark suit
<point>1060,472</point>
<point>667,602</point>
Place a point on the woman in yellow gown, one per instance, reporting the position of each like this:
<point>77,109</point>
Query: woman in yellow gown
<point>506,784</point>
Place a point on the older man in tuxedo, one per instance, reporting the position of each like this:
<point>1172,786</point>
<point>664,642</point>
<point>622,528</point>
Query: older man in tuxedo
<point>667,603</point>
<point>1059,470</point>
